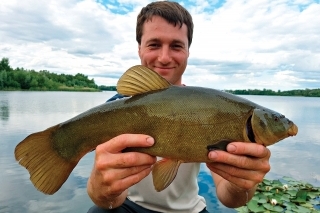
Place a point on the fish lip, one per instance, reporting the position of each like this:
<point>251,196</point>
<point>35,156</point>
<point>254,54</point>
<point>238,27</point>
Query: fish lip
<point>293,130</point>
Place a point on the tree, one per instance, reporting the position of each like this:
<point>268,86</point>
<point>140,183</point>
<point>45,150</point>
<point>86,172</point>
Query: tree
<point>4,64</point>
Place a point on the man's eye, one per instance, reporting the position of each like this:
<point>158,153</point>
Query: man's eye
<point>176,46</point>
<point>154,45</point>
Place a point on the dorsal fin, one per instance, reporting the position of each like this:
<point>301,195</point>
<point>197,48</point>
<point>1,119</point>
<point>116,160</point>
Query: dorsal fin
<point>140,79</point>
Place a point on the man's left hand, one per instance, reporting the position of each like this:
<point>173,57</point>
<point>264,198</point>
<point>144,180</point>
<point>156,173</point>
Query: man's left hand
<point>243,164</point>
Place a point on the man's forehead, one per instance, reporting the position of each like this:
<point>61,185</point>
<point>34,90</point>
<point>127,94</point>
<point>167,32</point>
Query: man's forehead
<point>156,22</point>
<point>156,18</point>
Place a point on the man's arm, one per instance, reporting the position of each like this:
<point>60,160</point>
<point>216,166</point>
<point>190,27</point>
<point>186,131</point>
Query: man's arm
<point>237,172</point>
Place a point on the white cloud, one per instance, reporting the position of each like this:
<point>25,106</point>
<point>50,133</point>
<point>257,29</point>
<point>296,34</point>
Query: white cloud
<point>237,44</point>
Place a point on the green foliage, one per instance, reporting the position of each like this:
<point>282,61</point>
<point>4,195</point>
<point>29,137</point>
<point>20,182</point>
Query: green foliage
<point>285,195</point>
<point>21,79</point>
<point>306,92</point>
<point>108,88</point>
<point>4,64</point>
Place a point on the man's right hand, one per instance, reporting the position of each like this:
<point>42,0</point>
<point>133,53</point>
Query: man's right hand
<point>114,172</point>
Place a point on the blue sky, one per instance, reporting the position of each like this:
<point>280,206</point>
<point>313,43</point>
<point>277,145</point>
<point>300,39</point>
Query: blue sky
<point>238,44</point>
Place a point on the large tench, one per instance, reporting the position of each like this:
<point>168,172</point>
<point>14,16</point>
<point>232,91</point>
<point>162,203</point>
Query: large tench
<point>186,123</point>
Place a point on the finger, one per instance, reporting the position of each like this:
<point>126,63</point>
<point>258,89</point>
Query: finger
<point>122,173</point>
<point>250,149</point>
<point>122,160</point>
<point>132,159</point>
<point>240,182</point>
<point>226,171</point>
<point>240,161</point>
<point>117,144</point>
<point>124,183</point>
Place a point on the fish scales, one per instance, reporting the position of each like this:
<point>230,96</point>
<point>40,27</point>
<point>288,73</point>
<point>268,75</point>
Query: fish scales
<point>177,115</point>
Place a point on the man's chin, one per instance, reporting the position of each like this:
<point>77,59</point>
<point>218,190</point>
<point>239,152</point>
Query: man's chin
<point>163,72</point>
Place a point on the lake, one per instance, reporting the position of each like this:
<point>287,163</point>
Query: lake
<point>22,113</point>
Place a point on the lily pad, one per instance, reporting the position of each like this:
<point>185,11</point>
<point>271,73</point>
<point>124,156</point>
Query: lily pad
<point>291,196</point>
<point>254,207</point>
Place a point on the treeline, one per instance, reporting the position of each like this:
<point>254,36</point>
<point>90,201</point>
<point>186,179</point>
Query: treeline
<point>22,79</point>
<point>108,88</point>
<point>298,92</point>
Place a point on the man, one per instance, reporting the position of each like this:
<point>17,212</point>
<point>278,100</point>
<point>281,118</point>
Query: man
<point>121,182</point>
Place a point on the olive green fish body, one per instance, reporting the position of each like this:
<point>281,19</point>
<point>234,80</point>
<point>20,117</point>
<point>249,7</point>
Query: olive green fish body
<point>186,123</point>
<point>182,120</point>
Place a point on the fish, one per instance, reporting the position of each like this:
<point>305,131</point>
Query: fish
<point>186,122</point>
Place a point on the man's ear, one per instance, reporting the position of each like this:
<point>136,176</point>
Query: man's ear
<point>139,49</point>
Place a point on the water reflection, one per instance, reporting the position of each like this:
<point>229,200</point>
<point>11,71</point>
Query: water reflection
<point>4,110</point>
<point>208,191</point>
<point>27,112</point>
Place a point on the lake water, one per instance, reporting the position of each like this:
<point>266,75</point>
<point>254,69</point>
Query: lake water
<point>22,113</point>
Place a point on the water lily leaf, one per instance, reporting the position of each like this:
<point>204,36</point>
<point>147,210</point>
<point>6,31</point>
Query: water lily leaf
<point>307,205</point>
<point>242,209</point>
<point>314,202</point>
<point>308,185</point>
<point>254,207</point>
<point>313,195</point>
<point>268,206</point>
<point>273,208</point>
<point>301,209</point>
<point>276,190</point>
<point>298,200</point>
<point>293,193</point>
<point>262,200</point>
<point>262,196</point>
<point>302,195</point>
<point>267,182</point>
<point>276,183</point>
<point>285,199</point>
<point>278,209</point>
<point>290,205</point>
<point>268,194</point>
<point>286,196</point>
<point>295,183</point>
<point>256,198</point>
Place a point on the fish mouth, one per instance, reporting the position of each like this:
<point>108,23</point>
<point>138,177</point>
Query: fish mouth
<point>293,130</point>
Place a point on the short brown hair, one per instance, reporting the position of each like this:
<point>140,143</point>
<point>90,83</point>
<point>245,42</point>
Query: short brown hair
<point>171,11</point>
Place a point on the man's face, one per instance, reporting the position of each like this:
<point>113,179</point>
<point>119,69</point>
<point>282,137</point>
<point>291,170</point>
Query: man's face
<point>164,48</point>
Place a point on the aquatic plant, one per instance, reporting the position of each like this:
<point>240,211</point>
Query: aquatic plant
<point>284,195</point>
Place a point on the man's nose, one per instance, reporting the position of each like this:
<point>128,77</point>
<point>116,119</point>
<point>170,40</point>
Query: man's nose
<point>165,55</point>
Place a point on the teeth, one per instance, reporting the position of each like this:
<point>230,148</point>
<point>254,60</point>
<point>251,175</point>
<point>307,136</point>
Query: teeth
<point>293,130</point>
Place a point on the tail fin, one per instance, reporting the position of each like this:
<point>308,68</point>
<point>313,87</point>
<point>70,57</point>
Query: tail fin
<point>48,171</point>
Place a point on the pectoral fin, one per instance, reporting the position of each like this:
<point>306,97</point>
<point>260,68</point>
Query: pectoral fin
<point>164,172</point>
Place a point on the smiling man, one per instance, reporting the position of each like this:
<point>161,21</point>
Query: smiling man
<point>164,48</point>
<point>121,182</point>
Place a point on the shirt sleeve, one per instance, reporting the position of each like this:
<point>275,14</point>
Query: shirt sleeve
<point>115,97</point>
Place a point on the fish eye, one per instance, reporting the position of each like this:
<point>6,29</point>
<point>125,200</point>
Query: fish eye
<point>275,117</point>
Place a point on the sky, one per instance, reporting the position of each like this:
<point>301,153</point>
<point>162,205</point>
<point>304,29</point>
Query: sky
<point>237,44</point>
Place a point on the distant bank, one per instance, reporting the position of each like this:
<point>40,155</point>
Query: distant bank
<point>297,92</point>
<point>20,79</point>
<point>300,92</point>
